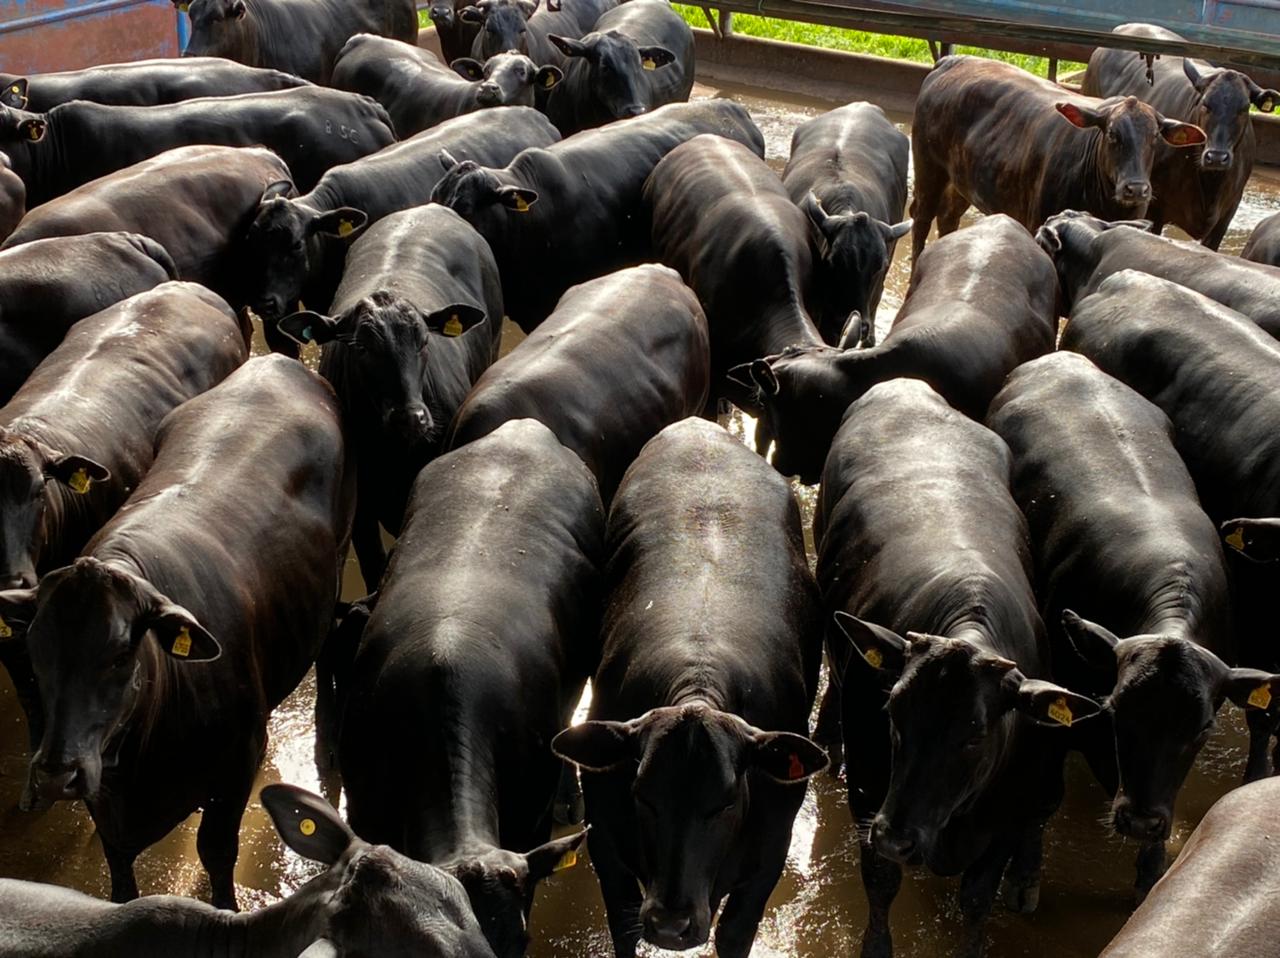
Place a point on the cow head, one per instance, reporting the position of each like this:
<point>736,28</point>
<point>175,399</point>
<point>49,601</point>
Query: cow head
<point>13,91</point>
<point>801,396</point>
<point>1222,110</point>
<point>284,244</point>
<point>442,14</point>
<point>503,24</point>
<point>951,710</point>
<point>507,79</point>
<point>1165,696</point>
<point>855,250</point>
<point>222,28</point>
<point>693,770</point>
<point>475,193</point>
<point>27,469</point>
<point>617,70</point>
<point>87,626</point>
<point>1127,132</point>
<point>501,884</point>
<point>385,343</point>
<point>371,900</point>
<point>21,134</point>
<point>1068,237</point>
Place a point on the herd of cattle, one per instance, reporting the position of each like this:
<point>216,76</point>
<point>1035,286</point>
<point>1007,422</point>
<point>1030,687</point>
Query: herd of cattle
<point>1029,543</point>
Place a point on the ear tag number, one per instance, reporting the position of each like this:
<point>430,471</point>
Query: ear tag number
<point>1060,712</point>
<point>1236,539</point>
<point>874,658</point>
<point>453,327</point>
<point>79,481</point>
<point>182,644</point>
<point>307,827</point>
<point>1260,698</point>
<point>567,861</point>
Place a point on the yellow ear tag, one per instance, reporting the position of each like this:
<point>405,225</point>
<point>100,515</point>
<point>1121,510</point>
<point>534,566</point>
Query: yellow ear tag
<point>79,481</point>
<point>649,64</point>
<point>1266,106</point>
<point>184,7</point>
<point>345,228</point>
<point>874,658</point>
<point>550,81</point>
<point>182,644</point>
<point>16,89</point>
<point>567,860</point>
<point>453,327</point>
<point>34,133</point>
<point>522,205</point>
<point>307,827</point>
<point>1060,712</point>
<point>5,631</point>
<point>1236,539</point>
<point>1260,698</point>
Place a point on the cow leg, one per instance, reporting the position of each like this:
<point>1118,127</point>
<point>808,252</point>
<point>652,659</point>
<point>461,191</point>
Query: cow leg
<point>931,183</point>
<point>621,893</point>
<point>881,880</point>
<point>744,910</point>
<point>951,209</point>
<point>218,838</point>
<point>367,540</point>
<point>1151,863</point>
<point>1022,877</point>
<point>124,884</point>
<point>569,809</point>
<point>1261,728</point>
<point>14,658</point>
<point>978,888</point>
<point>828,731</point>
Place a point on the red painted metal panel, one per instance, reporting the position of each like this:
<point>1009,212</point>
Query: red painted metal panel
<point>37,36</point>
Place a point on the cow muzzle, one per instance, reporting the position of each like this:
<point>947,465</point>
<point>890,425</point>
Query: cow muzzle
<point>902,845</point>
<point>489,94</point>
<point>1133,192</point>
<point>22,579</point>
<point>1144,825</point>
<point>1215,159</point>
<point>47,784</point>
<point>676,929</point>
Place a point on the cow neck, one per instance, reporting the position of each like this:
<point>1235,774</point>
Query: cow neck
<point>1092,178</point>
<point>459,816</point>
<point>1174,610</point>
<point>786,326</point>
<point>285,929</point>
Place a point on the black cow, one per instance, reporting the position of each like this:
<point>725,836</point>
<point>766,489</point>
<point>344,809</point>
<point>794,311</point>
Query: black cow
<point>695,758</point>
<point>637,56</point>
<point>483,637</point>
<point>525,25</point>
<point>454,34</point>
<point>558,216</point>
<point>976,309</point>
<point>196,202</point>
<point>301,37</point>
<point>621,358</point>
<point>722,219</point>
<point>1230,857</point>
<point>13,198</point>
<point>1197,190</point>
<point>1122,548</point>
<point>1263,245</point>
<point>142,83</point>
<point>848,172</point>
<point>370,900</point>
<point>79,435</point>
<point>48,285</point>
<point>1087,250</point>
<point>1212,372</point>
<point>299,245</point>
<point>419,91</point>
<point>310,128</point>
<point>923,557</point>
<point>417,319</point>
<point>991,135</point>
<point>162,650</point>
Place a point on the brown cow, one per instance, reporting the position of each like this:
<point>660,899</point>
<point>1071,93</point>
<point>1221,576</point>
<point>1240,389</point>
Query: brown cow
<point>990,135</point>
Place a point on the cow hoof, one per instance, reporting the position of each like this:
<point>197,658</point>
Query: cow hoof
<point>876,945</point>
<point>1022,899</point>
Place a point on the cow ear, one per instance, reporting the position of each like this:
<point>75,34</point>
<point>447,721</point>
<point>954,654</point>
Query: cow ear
<point>1251,688</point>
<point>1051,704</point>
<point>764,378</point>
<point>1198,80</point>
<point>1264,100</point>
<point>344,222</point>
<point>556,855</point>
<point>309,327</point>
<point>180,635</point>
<point>895,232</point>
<point>653,57</point>
<point>812,207</point>
<point>1094,644</point>
<point>787,757</point>
<point>596,746</point>
<point>32,129</point>
<point>569,46</point>
<point>468,68</point>
<point>279,190</point>
<point>76,472</point>
<point>15,93</point>
<point>471,15</point>
<point>881,648</point>
<point>529,7</point>
<point>547,77</point>
<point>1181,134</point>
<point>516,198</point>
<point>1258,540</point>
<point>852,332</point>
<point>454,320</point>
<point>238,10</point>
<point>17,609</point>
<point>307,823</point>
<point>1081,116</point>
